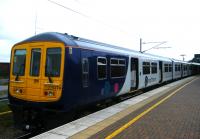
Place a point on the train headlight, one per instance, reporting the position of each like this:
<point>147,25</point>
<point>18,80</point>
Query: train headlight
<point>18,91</point>
<point>49,93</point>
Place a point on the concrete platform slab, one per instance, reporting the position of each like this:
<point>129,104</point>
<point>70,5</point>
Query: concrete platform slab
<point>176,117</point>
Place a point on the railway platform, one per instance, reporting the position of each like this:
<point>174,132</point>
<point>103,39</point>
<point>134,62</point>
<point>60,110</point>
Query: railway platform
<point>3,87</point>
<point>3,91</point>
<point>171,111</point>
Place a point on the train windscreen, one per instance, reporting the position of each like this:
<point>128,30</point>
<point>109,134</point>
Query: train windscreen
<point>19,62</point>
<point>53,62</point>
<point>35,62</point>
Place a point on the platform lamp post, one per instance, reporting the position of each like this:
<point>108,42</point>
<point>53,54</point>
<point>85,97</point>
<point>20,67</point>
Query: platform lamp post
<point>183,55</point>
<point>154,47</point>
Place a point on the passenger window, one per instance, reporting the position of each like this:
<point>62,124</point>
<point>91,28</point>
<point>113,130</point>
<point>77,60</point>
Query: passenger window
<point>117,68</point>
<point>85,72</point>
<point>176,67</point>
<point>166,67</point>
<point>185,67</point>
<point>170,67</point>
<point>153,68</point>
<point>35,62</point>
<point>101,68</point>
<point>122,62</point>
<point>19,62</point>
<point>114,61</point>
<point>53,62</point>
<point>146,68</point>
<point>179,67</point>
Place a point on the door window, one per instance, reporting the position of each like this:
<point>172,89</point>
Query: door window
<point>35,62</point>
<point>146,68</point>
<point>85,72</point>
<point>101,68</point>
<point>153,68</point>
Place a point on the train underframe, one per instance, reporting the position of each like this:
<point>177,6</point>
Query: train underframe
<point>38,119</point>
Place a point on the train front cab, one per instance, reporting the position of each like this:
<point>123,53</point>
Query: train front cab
<point>36,75</point>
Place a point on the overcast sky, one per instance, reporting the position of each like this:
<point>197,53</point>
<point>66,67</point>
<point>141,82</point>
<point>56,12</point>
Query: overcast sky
<point>118,22</point>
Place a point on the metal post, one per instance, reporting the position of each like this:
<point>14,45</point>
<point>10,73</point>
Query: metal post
<point>36,22</point>
<point>183,55</point>
<point>140,45</point>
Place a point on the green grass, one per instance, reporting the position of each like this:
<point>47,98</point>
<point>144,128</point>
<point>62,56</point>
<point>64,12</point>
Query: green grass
<point>6,120</point>
<point>5,83</point>
<point>4,77</point>
<point>3,93</point>
<point>4,106</point>
<point>7,128</point>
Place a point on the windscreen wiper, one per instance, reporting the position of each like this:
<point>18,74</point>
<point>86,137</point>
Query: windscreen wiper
<point>49,76</point>
<point>17,74</point>
<point>50,80</point>
<point>17,77</point>
<point>48,73</point>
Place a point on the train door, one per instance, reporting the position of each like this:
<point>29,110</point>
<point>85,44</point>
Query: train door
<point>173,69</point>
<point>181,70</point>
<point>134,73</point>
<point>160,71</point>
<point>34,71</point>
<point>85,68</point>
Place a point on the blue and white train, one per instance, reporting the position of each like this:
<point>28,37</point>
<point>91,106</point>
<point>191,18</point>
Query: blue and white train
<point>54,72</point>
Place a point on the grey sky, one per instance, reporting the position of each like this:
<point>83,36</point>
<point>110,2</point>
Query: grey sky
<point>119,22</point>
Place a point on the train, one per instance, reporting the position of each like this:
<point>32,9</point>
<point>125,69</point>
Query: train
<point>53,73</point>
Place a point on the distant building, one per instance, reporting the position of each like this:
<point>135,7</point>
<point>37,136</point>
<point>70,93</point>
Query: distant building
<point>196,58</point>
<point>4,69</point>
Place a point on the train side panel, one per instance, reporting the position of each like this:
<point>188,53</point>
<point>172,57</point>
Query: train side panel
<point>127,83</point>
<point>148,72</point>
<point>176,70</point>
<point>167,71</point>
<point>92,76</point>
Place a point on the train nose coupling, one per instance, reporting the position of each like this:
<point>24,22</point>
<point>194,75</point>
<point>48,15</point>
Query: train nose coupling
<point>27,127</point>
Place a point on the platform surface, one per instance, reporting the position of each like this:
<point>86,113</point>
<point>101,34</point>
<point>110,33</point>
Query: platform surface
<point>177,117</point>
<point>3,92</point>
<point>3,87</point>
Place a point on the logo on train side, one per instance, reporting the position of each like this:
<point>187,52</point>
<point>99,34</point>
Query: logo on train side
<point>106,89</point>
<point>149,80</point>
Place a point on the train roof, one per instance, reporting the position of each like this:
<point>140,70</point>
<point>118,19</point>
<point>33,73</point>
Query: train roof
<point>51,36</point>
<point>194,63</point>
<point>70,40</point>
<point>179,61</point>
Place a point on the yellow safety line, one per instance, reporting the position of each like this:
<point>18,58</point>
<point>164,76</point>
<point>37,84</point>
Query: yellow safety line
<point>116,132</point>
<point>7,112</point>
